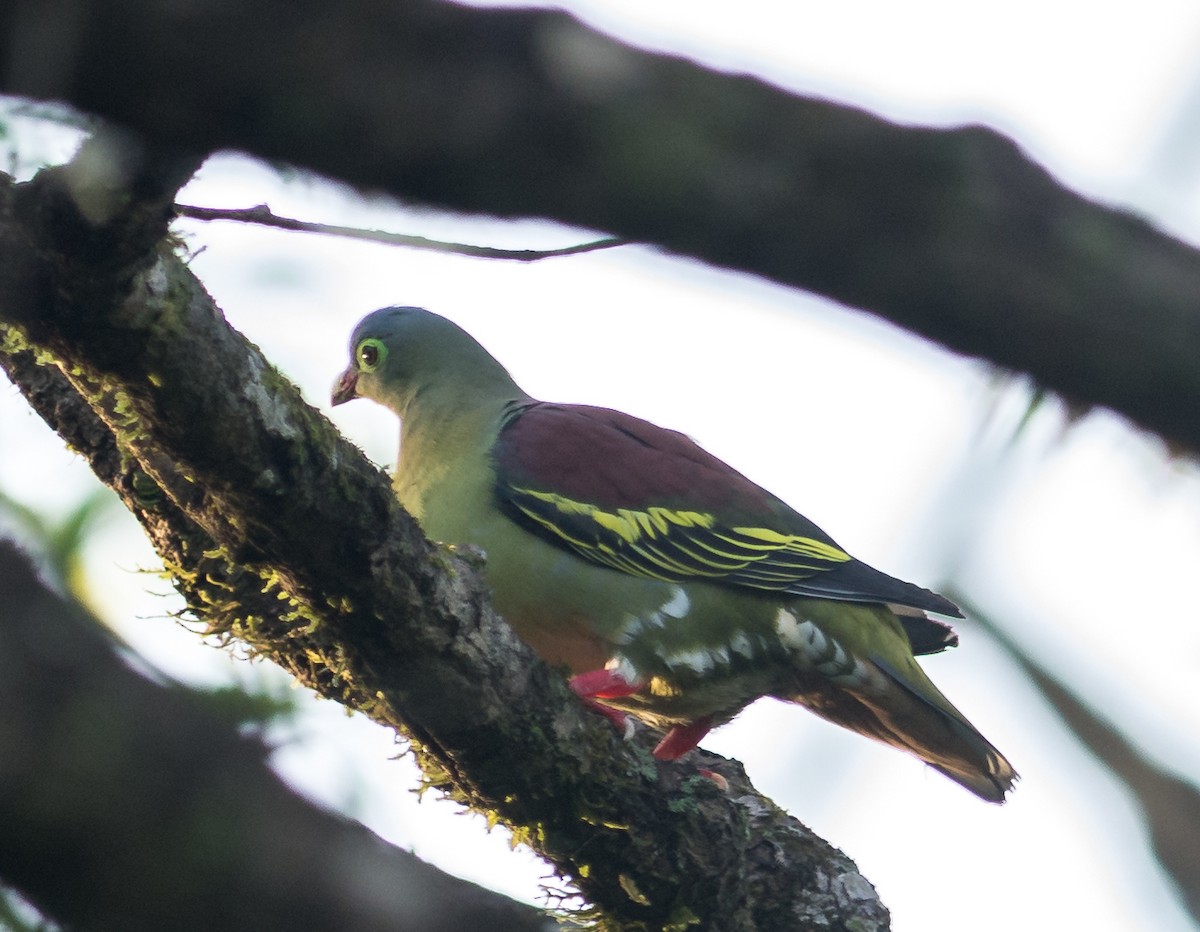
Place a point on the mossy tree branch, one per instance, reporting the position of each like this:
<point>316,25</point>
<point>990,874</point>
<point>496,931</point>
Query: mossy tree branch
<point>283,536</point>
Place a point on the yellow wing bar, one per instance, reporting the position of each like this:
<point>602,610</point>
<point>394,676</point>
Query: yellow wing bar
<point>671,544</point>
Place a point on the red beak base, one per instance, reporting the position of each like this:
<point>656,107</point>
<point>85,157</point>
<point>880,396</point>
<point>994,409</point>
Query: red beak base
<point>345,388</point>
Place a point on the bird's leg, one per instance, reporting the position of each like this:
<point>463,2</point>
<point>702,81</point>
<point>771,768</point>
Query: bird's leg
<point>682,738</point>
<point>605,684</point>
<point>610,684</point>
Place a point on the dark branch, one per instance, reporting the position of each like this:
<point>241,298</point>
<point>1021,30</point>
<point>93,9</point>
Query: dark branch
<point>263,216</point>
<point>177,823</point>
<point>952,233</point>
<point>1170,805</point>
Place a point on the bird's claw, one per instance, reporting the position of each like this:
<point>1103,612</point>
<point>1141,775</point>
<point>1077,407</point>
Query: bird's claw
<point>619,719</point>
<point>607,684</point>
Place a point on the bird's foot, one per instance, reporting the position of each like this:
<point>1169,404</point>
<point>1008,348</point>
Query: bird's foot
<point>603,684</point>
<point>682,738</point>
<point>595,685</point>
<point>622,722</point>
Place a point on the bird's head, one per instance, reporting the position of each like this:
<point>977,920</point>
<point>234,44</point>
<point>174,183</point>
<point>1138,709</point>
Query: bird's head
<point>398,353</point>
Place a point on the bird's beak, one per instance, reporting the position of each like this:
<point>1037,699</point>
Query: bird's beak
<point>346,387</point>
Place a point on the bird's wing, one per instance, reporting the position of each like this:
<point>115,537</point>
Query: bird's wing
<point>623,493</point>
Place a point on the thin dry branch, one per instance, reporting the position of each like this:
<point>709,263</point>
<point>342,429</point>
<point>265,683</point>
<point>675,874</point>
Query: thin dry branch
<point>263,216</point>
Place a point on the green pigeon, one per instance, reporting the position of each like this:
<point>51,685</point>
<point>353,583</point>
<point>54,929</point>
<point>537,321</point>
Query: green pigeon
<point>670,586</point>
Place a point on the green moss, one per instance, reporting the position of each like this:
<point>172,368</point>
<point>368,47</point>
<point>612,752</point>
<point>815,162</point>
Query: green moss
<point>691,791</point>
<point>601,822</point>
<point>13,340</point>
<point>681,918</point>
<point>124,411</point>
<point>433,775</point>
<point>533,835</point>
<point>340,604</point>
<point>631,890</point>
<point>148,493</point>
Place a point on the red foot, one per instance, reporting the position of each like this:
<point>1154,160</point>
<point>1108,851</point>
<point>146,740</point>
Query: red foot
<point>682,738</point>
<point>605,684</point>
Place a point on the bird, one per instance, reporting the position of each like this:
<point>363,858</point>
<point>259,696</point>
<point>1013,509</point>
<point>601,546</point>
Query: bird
<point>665,583</point>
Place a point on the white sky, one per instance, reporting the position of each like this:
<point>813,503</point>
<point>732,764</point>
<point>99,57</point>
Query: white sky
<point>1092,90</point>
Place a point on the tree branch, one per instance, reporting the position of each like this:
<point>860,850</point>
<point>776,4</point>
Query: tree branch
<point>263,216</point>
<point>127,805</point>
<point>1169,805</point>
<point>952,233</point>
<point>282,535</point>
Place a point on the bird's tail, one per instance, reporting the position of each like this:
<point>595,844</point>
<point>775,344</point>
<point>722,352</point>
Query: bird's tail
<point>933,729</point>
<point>903,708</point>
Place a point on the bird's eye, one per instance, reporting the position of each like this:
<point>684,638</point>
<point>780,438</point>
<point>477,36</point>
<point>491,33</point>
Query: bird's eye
<point>371,354</point>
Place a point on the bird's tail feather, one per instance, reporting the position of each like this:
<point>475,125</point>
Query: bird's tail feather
<point>935,731</point>
<point>925,635</point>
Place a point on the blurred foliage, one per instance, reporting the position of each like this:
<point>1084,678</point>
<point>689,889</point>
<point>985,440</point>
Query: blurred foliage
<point>1168,805</point>
<point>1038,401</point>
<point>251,706</point>
<point>60,544</point>
<point>16,915</point>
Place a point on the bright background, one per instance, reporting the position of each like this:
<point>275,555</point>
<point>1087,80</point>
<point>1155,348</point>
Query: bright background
<point>1081,539</point>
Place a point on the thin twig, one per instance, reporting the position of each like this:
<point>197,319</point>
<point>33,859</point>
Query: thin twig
<point>263,215</point>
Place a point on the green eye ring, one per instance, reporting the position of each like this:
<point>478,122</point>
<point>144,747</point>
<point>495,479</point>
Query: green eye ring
<point>370,354</point>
